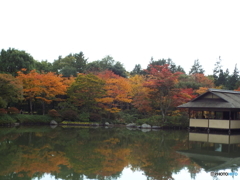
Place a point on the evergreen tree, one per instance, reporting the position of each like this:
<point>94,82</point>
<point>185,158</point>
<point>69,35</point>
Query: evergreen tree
<point>107,63</point>
<point>216,72</point>
<point>233,79</point>
<point>196,68</point>
<point>137,70</point>
<point>172,66</point>
<point>70,65</point>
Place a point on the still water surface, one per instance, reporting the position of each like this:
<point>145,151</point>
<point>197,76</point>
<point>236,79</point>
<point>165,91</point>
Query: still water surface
<point>43,153</point>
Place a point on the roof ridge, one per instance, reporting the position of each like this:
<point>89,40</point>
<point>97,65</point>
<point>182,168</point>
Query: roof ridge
<point>223,90</point>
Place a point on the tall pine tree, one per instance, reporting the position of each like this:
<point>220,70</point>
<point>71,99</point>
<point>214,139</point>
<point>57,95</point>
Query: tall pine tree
<point>196,68</point>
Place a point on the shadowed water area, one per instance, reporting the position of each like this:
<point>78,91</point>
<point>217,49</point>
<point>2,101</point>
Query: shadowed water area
<point>44,153</point>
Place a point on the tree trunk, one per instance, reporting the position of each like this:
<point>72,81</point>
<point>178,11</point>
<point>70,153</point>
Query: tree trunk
<point>30,106</point>
<point>43,107</point>
<point>163,116</point>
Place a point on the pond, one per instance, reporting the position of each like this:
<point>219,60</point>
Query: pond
<point>64,153</point>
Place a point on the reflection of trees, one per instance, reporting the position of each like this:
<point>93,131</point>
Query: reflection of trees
<point>100,154</point>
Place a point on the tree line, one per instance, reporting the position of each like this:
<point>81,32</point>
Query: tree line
<point>103,89</point>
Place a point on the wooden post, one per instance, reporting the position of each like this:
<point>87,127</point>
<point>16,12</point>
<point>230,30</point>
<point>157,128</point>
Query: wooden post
<point>229,129</point>
<point>189,117</point>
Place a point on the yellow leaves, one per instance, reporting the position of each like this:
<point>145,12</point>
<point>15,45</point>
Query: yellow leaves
<point>140,93</point>
<point>113,110</point>
<point>176,113</point>
<point>105,100</point>
<point>201,90</point>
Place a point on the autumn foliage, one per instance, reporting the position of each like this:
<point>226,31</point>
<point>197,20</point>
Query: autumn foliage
<point>158,90</point>
<point>44,87</point>
<point>118,91</point>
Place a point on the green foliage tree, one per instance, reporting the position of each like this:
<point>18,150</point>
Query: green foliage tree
<point>172,66</point>
<point>118,69</point>
<point>196,68</point>
<point>11,90</point>
<point>137,70</point>
<point>70,65</point>
<point>107,63</point>
<point>84,92</point>
<point>68,71</point>
<point>43,66</point>
<point>13,60</point>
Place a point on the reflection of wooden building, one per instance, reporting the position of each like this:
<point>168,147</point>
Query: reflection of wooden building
<point>214,152</point>
<point>215,109</point>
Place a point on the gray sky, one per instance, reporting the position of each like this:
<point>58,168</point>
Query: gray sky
<point>132,31</point>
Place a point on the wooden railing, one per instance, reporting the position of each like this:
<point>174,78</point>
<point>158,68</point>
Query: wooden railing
<point>215,123</point>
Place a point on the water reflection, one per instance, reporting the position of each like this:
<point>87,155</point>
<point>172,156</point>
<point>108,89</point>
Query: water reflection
<point>214,152</point>
<point>73,154</point>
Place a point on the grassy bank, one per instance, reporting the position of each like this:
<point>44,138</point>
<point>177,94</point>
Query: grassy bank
<point>26,119</point>
<point>122,118</point>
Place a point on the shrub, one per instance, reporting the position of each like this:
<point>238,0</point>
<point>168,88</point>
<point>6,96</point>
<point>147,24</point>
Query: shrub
<point>53,113</point>
<point>12,110</point>
<point>126,117</point>
<point>84,116</point>
<point>3,111</point>
<point>153,120</point>
<point>95,117</point>
<point>70,115</point>
<point>25,118</point>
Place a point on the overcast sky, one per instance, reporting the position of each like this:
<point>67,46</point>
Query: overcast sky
<point>131,31</point>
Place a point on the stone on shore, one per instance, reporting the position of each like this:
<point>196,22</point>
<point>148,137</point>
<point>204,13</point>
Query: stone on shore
<point>146,126</point>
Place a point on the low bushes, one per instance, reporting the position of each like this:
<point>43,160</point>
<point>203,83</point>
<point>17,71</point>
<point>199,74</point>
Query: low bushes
<point>153,120</point>
<point>31,119</point>
<point>171,121</point>
<point>6,119</point>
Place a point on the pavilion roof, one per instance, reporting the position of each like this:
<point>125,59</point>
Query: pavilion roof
<point>226,99</point>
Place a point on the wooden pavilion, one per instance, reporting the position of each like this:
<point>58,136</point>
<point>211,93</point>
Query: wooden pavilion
<point>215,109</point>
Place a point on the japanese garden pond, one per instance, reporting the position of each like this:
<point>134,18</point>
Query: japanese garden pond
<point>74,153</point>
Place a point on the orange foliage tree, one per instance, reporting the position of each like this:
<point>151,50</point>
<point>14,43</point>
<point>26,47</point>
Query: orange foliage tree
<point>31,86</point>
<point>162,83</point>
<point>141,100</point>
<point>41,86</point>
<point>51,86</point>
<point>118,92</point>
<point>203,80</point>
